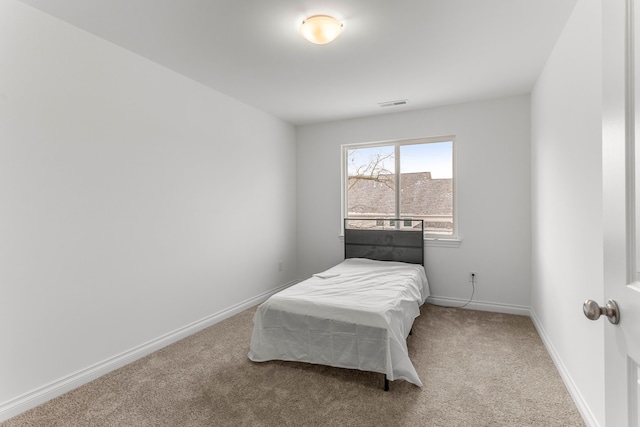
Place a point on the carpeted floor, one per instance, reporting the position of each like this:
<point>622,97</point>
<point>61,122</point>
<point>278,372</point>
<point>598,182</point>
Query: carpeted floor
<point>479,369</point>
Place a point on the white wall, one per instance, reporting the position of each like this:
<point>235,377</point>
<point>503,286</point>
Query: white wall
<point>567,205</point>
<point>493,198</point>
<point>133,202</point>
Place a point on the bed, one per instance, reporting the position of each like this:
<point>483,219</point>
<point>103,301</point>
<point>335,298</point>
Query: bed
<point>357,314</point>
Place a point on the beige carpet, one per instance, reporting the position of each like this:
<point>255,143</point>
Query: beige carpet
<point>479,369</point>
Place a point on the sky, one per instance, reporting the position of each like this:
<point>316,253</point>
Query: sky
<point>435,157</point>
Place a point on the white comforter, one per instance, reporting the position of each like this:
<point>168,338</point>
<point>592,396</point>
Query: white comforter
<point>355,315</point>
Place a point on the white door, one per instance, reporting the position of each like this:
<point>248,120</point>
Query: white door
<point>621,149</point>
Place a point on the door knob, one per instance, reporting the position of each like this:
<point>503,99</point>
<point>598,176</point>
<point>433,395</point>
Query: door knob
<point>593,311</point>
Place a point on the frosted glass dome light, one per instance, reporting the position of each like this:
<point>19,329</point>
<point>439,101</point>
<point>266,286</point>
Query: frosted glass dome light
<point>320,29</point>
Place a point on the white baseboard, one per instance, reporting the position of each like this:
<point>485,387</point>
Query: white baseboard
<point>36,397</point>
<point>578,399</point>
<point>481,305</point>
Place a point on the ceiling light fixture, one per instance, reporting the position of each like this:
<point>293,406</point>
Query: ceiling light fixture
<point>320,29</point>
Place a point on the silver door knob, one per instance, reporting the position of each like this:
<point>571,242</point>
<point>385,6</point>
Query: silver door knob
<point>593,311</point>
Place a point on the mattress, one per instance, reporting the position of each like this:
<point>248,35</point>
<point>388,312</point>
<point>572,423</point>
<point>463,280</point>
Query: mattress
<point>355,315</point>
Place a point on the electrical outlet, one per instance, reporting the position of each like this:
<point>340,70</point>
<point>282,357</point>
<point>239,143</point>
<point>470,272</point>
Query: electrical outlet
<point>473,276</point>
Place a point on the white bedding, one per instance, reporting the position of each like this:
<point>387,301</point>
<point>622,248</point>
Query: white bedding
<point>355,315</point>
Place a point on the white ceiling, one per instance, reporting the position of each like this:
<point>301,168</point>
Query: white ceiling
<point>430,52</point>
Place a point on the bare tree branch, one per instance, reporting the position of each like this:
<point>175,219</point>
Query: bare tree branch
<point>374,171</point>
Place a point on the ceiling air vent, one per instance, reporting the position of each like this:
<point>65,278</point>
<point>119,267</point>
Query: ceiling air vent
<point>393,103</point>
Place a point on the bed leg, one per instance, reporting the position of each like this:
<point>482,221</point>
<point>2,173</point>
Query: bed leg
<point>411,331</point>
<point>386,383</point>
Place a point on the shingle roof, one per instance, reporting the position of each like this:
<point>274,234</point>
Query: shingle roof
<point>420,195</point>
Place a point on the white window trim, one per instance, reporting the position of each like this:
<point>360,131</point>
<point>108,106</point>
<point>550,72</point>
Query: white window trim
<point>430,239</point>
<point>429,242</point>
<point>442,243</point>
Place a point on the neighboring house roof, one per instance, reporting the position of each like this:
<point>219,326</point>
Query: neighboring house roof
<point>420,195</point>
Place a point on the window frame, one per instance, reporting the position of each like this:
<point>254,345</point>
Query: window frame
<point>439,239</point>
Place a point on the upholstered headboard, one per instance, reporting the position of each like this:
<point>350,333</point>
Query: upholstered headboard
<point>385,239</point>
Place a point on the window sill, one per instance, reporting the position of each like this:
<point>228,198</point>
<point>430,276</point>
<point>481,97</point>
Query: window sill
<point>431,242</point>
<point>444,243</point>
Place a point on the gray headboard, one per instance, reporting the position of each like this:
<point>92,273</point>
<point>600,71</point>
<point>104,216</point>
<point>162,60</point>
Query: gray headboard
<point>385,239</point>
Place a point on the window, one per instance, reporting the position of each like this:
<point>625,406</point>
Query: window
<point>402,179</point>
